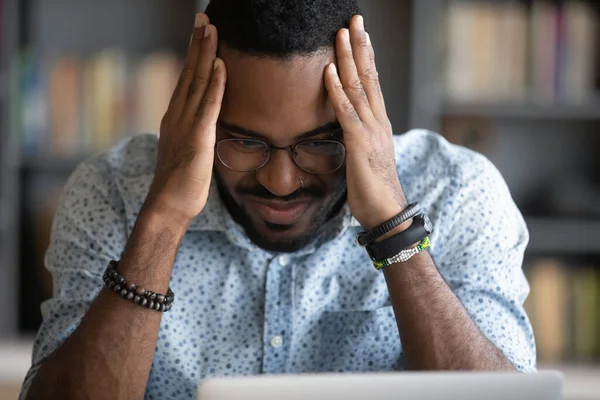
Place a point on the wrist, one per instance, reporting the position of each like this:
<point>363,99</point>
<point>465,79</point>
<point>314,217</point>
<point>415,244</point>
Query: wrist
<point>156,216</point>
<point>383,213</point>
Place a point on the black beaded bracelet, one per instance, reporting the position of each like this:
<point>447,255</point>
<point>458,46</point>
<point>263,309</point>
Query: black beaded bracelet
<point>135,293</point>
<point>365,238</point>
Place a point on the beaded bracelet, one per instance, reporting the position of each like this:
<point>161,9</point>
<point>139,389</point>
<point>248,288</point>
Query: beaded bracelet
<point>135,293</point>
<point>404,255</point>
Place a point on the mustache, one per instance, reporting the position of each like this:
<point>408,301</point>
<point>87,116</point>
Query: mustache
<point>262,192</point>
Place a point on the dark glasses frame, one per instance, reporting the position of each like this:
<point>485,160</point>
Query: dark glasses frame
<point>271,149</point>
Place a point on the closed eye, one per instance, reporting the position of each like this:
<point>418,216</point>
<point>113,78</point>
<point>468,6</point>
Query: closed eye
<point>317,143</point>
<point>250,143</point>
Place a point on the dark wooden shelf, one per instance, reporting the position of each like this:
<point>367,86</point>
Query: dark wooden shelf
<point>557,111</point>
<point>563,235</point>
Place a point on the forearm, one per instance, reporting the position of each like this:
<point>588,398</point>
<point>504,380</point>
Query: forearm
<point>110,354</point>
<point>436,331</point>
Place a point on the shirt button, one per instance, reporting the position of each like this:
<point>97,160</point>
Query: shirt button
<point>283,260</point>
<point>276,341</point>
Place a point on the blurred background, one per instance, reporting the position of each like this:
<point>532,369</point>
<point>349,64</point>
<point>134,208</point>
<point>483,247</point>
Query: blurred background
<point>518,81</point>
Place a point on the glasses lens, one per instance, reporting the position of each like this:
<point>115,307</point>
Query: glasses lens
<point>242,154</point>
<point>320,156</point>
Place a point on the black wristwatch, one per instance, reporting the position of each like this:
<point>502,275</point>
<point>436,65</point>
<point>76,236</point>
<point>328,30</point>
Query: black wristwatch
<point>364,238</point>
<point>420,228</point>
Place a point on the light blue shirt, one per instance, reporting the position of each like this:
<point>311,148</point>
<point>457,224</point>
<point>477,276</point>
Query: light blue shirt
<point>242,310</point>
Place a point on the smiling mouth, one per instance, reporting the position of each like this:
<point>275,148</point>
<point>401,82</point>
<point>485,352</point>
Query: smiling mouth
<point>280,212</point>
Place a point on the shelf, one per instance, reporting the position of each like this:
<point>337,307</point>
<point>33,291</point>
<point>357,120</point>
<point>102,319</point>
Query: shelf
<point>562,235</point>
<point>51,163</point>
<point>587,111</point>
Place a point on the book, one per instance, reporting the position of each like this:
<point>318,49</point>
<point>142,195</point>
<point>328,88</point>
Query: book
<point>513,35</point>
<point>63,103</point>
<point>74,105</point>
<point>485,46</point>
<point>548,309</point>
<point>108,76</point>
<point>577,77</point>
<point>156,78</point>
<point>564,309</point>
<point>32,121</point>
<point>460,57</point>
<point>499,52</point>
<point>586,313</point>
<point>486,51</point>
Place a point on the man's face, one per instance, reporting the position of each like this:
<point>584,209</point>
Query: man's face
<point>279,101</point>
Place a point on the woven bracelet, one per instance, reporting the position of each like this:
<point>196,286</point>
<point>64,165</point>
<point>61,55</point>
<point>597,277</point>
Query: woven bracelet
<point>134,293</point>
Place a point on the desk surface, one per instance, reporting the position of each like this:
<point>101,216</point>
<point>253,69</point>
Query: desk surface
<point>581,382</point>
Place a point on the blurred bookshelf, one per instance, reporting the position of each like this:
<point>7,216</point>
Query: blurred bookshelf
<point>519,81</point>
<point>63,98</point>
<point>524,91</point>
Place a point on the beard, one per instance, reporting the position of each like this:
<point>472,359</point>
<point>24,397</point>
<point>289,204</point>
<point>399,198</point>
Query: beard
<point>282,244</point>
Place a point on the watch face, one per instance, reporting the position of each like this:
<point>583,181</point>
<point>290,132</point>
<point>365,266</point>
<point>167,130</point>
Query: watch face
<point>427,224</point>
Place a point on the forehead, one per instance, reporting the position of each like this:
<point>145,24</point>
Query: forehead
<point>276,97</point>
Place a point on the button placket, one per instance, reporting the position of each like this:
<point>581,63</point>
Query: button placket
<point>276,341</point>
<point>283,260</point>
<point>277,314</point>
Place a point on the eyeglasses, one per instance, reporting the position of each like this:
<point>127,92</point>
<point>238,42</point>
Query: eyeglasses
<point>313,156</point>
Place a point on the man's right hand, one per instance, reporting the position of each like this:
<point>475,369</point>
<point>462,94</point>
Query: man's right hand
<point>179,190</point>
<point>188,129</point>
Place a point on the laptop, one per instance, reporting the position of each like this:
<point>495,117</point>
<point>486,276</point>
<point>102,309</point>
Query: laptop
<point>387,386</point>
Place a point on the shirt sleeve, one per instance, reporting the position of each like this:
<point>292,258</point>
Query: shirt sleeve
<point>482,239</point>
<point>89,230</point>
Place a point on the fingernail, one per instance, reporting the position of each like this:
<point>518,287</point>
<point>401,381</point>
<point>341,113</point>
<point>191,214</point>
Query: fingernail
<point>332,68</point>
<point>198,20</point>
<point>216,64</point>
<point>368,39</point>
<point>207,31</point>
<point>199,32</point>
<point>361,22</point>
<point>346,35</point>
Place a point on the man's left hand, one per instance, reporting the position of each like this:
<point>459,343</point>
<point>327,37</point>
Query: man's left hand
<point>374,191</point>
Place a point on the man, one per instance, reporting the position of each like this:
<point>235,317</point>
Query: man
<point>257,242</point>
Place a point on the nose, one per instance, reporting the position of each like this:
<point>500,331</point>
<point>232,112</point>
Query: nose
<point>280,175</point>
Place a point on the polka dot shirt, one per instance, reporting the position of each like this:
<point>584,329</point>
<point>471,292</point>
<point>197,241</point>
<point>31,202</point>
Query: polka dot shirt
<point>242,310</point>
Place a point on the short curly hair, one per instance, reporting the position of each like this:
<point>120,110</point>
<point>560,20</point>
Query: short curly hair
<point>280,28</point>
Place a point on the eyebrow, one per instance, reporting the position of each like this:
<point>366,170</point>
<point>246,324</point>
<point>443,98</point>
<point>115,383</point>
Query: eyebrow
<point>332,127</point>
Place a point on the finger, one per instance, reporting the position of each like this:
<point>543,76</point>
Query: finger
<point>344,110</point>
<point>203,72</point>
<point>210,108</point>
<point>180,94</point>
<point>364,58</point>
<point>349,76</point>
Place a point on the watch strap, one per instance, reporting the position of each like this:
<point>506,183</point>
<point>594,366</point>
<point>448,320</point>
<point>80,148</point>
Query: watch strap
<point>391,246</point>
<point>364,238</point>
